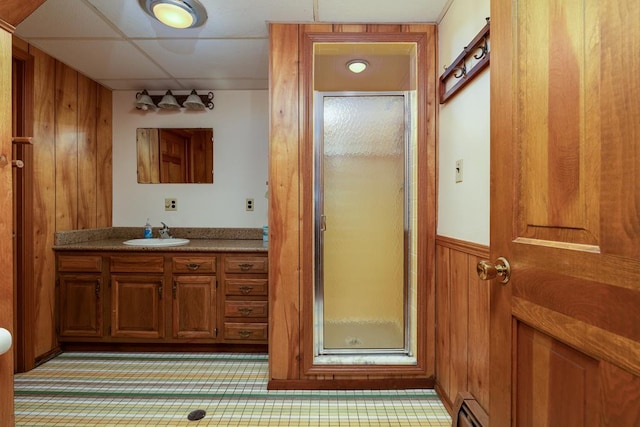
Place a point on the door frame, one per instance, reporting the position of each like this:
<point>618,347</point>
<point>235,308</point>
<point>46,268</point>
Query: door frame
<point>23,205</point>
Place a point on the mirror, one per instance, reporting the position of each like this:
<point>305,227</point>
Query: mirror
<point>171,155</point>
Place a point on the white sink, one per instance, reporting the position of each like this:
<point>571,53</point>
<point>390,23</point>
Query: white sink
<point>156,242</point>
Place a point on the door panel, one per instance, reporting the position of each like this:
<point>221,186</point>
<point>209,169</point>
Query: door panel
<point>565,205</point>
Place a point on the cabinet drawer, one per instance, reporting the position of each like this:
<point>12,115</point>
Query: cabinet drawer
<point>246,264</point>
<point>245,287</point>
<point>183,264</point>
<point>245,331</point>
<point>80,263</point>
<point>246,309</point>
<point>137,264</point>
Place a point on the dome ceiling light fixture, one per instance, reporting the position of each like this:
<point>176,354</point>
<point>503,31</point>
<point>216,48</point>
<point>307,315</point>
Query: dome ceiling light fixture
<point>176,13</point>
<point>357,65</point>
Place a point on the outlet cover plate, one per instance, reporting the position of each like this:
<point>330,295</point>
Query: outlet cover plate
<point>170,204</point>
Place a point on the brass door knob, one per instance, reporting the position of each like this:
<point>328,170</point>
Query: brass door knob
<point>488,271</point>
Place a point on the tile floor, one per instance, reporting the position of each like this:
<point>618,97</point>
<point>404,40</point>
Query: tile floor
<point>162,389</point>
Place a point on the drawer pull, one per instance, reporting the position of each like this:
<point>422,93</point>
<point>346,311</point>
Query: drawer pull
<point>193,266</point>
<point>245,311</point>
<point>245,266</point>
<point>246,289</point>
<point>244,334</point>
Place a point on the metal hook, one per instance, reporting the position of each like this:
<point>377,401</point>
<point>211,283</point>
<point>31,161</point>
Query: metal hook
<point>462,71</point>
<point>484,48</point>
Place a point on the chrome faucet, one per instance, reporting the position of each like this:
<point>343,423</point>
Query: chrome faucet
<point>164,232</point>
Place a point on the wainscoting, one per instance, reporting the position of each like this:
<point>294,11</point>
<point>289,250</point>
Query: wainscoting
<point>462,321</point>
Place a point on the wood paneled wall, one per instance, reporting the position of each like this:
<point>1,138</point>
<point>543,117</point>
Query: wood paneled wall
<point>290,227</point>
<point>462,321</point>
<point>72,172</point>
<point>6,230</point>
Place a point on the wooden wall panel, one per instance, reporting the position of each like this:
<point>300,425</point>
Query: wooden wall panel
<point>443,341</point>
<point>462,313</point>
<point>44,201</point>
<point>289,176</point>
<point>349,28</point>
<point>459,321</point>
<point>87,153</point>
<point>478,349</point>
<point>284,239</point>
<point>72,174</point>
<point>104,177</point>
<point>66,141</point>
<point>6,229</point>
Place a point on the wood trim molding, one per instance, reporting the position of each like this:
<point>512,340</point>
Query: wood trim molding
<point>353,384</point>
<point>470,248</point>
<point>7,27</point>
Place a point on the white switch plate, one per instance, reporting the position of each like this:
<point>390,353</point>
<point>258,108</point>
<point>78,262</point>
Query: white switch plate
<point>459,170</point>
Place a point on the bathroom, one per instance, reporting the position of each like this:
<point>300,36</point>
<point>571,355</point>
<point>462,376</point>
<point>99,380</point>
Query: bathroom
<point>240,121</point>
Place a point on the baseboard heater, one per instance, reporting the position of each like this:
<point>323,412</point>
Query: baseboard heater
<point>467,412</point>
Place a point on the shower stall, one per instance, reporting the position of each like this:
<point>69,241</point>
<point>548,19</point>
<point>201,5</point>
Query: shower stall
<point>364,241</point>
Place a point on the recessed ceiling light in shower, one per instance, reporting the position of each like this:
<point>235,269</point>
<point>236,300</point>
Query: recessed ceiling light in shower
<point>357,65</point>
<point>176,13</point>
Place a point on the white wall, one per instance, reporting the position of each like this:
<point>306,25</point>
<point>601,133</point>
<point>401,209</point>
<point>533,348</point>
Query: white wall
<point>463,208</point>
<point>240,132</point>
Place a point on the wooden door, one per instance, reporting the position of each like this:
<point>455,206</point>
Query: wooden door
<point>565,212</point>
<point>194,307</point>
<point>80,305</point>
<point>137,308</point>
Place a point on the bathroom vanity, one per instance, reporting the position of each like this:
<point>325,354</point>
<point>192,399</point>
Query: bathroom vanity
<point>210,291</point>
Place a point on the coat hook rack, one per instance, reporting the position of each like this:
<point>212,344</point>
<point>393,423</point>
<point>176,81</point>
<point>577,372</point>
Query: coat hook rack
<point>479,50</point>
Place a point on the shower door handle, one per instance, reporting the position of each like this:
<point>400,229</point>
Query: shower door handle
<point>323,223</point>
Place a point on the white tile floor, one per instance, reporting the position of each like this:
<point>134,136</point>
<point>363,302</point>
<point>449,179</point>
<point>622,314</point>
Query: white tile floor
<point>161,389</point>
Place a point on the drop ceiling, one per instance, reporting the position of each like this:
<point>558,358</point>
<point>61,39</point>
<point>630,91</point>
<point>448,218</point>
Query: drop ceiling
<point>118,45</point>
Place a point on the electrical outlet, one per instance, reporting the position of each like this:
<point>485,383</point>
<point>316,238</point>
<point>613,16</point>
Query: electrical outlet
<point>170,204</point>
<point>459,170</point>
<point>249,205</point>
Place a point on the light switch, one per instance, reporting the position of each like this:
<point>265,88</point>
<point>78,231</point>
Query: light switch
<point>459,170</point>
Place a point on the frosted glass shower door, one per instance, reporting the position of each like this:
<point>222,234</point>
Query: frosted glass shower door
<point>361,212</point>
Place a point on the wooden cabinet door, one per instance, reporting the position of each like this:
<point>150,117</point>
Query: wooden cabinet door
<point>136,306</point>
<point>80,305</point>
<point>194,307</point>
<point>565,212</point>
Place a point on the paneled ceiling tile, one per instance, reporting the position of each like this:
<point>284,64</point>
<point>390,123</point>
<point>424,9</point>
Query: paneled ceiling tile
<point>65,18</point>
<point>231,58</point>
<point>155,85</point>
<point>380,10</point>
<point>102,58</point>
<point>239,18</point>
<point>226,84</point>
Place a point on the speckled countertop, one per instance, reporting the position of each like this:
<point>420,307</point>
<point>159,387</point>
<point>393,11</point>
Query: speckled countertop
<point>201,240</point>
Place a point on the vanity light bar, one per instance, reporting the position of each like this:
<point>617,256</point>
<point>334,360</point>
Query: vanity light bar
<point>169,101</point>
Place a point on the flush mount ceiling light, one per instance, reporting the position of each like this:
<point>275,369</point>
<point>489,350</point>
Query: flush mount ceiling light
<point>176,13</point>
<point>357,65</point>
